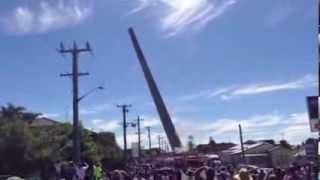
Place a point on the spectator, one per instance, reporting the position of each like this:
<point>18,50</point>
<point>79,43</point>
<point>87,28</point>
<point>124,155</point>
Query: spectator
<point>261,175</point>
<point>81,170</point>
<point>243,175</point>
<point>178,174</point>
<point>97,171</point>
<point>291,174</point>
<point>210,173</point>
<point>70,171</point>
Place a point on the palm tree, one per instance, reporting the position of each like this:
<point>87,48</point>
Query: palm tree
<point>11,111</point>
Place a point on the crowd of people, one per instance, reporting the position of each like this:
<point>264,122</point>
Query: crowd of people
<point>154,171</point>
<point>221,172</point>
<point>82,171</point>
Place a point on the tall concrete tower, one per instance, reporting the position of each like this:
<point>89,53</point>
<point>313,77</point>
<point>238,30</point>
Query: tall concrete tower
<point>167,124</point>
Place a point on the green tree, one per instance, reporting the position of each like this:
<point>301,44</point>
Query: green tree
<point>16,148</point>
<point>11,111</point>
<point>25,149</point>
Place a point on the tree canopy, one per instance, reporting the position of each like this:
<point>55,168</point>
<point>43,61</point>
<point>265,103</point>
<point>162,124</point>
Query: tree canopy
<point>23,148</point>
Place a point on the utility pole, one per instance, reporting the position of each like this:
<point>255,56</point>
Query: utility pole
<point>319,63</point>
<point>159,142</point>
<point>317,159</point>
<point>167,146</point>
<point>139,134</point>
<point>125,110</point>
<point>149,136</point>
<point>75,52</point>
<point>241,141</point>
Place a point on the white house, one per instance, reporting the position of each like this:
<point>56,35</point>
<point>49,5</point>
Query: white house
<point>261,154</point>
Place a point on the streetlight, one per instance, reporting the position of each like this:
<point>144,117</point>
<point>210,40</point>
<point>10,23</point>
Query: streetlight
<point>78,135</point>
<point>90,92</point>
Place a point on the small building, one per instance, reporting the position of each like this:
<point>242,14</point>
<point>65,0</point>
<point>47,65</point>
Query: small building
<point>261,154</point>
<point>300,157</point>
<point>307,153</point>
<point>281,156</point>
<point>254,154</point>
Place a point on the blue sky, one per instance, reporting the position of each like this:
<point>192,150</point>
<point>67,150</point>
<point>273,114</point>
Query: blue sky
<point>217,63</point>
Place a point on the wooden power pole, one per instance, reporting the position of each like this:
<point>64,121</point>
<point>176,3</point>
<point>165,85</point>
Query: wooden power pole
<point>125,110</point>
<point>149,136</point>
<point>75,52</point>
<point>139,119</point>
<point>241,142</point>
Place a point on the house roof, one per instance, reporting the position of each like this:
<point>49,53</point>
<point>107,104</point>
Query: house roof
<point>237,149</point>
<point>256,155</point>
<point>43,121</point>
<point>213,147</point>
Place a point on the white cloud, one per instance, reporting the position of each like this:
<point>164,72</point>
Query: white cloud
<point>279,13</point>
<point>298,128</point>
<point>109,126</point>
<point>191,97</point>
<point>206,94</point>
<point>96,109</point>
<point>221,91</point>
<point>294,127</point>
<point>254,89</point>
<point>24,19</point>
<point>179,15</point>
<point>150,122</point>
<point>103,125</point>
<point>86,111</point>
<point>230,92</point>
<point>133,138</point>
<point>50,115</point>
<point>46,16</point>
<point>251,123</point>
<point>142,4</point>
